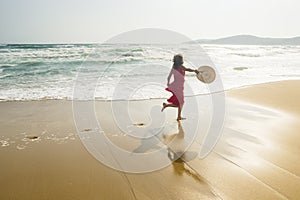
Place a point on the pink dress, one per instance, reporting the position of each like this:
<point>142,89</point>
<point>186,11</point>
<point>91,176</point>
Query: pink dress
<point>176,87</point>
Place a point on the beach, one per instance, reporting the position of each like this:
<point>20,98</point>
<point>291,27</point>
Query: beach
<point>256,157</point>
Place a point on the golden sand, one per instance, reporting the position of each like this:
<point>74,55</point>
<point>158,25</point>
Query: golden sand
<point>256,158</point>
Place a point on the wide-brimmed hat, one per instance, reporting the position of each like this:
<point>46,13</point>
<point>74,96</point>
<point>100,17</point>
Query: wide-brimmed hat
<point>206,74</point>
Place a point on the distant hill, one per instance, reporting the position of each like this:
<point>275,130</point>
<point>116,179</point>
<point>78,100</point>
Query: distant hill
<point>252,40</point>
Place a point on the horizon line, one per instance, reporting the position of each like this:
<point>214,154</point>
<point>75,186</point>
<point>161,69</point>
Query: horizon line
<point>79,42</point>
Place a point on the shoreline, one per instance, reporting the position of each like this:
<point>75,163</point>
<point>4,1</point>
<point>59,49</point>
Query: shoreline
<point>230,90</point>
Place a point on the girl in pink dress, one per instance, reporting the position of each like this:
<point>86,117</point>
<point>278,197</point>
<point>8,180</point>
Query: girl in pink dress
<point>177,86</point>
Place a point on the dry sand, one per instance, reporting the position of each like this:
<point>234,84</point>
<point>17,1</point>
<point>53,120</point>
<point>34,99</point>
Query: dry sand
<point>282,95</point>
<point>257,157</point>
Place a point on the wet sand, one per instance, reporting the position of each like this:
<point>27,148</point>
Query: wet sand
<point>257,156</point>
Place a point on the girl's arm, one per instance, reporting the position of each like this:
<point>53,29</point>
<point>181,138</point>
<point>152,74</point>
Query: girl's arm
<point>169,77</point>
<point>189,69</point>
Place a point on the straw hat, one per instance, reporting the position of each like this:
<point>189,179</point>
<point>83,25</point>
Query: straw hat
<point>206,74</point>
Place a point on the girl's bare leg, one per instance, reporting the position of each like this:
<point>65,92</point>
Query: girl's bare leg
<point>179,114</point>
<point>167,105</point>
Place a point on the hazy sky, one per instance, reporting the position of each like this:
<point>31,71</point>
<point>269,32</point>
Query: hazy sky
<point>56,21</point>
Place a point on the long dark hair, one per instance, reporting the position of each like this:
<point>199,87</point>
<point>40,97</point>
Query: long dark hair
<point>177,61</point>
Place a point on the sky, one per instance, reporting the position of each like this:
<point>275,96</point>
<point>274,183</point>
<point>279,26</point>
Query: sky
<point>95,21</point>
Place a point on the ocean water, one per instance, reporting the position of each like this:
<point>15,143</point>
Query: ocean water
<point>51,71</point>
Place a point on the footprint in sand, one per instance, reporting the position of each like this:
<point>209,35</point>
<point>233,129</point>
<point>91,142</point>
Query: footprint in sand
<point>32,137</point>
<point>139,124</point>
<point>21,147</point>
<point>4,143</point>
<point>87,129</point>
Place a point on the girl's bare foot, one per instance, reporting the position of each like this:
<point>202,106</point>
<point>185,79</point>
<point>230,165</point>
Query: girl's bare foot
<point>164,106</point>
<point>181,118</point>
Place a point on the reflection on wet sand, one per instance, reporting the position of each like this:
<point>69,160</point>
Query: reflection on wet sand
<point>175,143</point>
<point>178,147</point>
<point>178,154</point>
